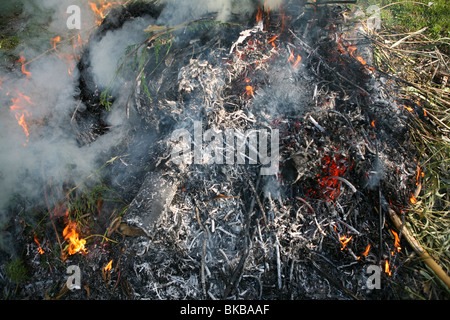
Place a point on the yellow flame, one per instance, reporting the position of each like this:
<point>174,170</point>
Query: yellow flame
<point>71,234</point>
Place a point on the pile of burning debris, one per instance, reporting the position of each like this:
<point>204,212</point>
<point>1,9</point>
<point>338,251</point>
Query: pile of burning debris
<point>263,159</point>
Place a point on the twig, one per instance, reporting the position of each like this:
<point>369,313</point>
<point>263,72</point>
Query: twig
<point>408,36</point>
<point>50,213</point>
<point>333,281</point>
<point>277,251</point>
<point>205,243</point>
<point>345,181</point>
<point>258,201</point>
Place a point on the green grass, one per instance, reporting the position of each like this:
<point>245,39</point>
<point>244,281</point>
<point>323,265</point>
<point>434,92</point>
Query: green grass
<point>16,271</point>
<point>413,15</point>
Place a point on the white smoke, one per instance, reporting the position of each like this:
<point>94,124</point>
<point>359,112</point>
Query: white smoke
<point>46,99</point>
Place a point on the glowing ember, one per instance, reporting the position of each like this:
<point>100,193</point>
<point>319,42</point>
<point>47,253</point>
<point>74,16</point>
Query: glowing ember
<point>332,167</point>
<point>71,234</point>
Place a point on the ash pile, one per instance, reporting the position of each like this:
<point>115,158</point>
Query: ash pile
<point>260,158</point>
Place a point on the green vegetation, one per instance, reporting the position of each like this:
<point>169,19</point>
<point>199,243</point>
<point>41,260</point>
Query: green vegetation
<point>413,15</point>
<point>413,47</point>
<point>16,271</point>
<point>8,43</point>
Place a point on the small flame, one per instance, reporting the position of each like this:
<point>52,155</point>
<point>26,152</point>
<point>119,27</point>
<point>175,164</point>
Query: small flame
<point>101,10</point>
<point>373,123</point>
<point>366,252</point>
<point>71,234</point>
<point>387,269</point>
<point>40,250</point>
<point>413,199</point>
<point>22,60</point>
<point>20,111</point>
<point>409,109</point>
<point>361,60</point>
<point>108,267</point>
<point>295,61</point>
<point>420,173</point>
<point>272,40</point>
<point>397,242</point>
<point>259,14</point>
<point>344,240</point>
<point>55,41</point>
<point>249,90</point>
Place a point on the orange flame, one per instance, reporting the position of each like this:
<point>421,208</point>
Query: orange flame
<point>55,41</point>
<point>397,242</point>
<point>366,252</point>
<point>22,60</point>
<point>249,90</point>
<point>20,112</point>
<point>71,234</point>
<point>332,166</point>
<point>361,60</point>
<point>409,109</point>
<point>297,62</point>
<point>413,199</point>
<point>272,40</point>
<point>344,240</point>
<point>40,250</point>
<point>259,14</point>
<point>387,269</point>
<point>108,267</point>
<point>420,173</point>
<point>101,10</point>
